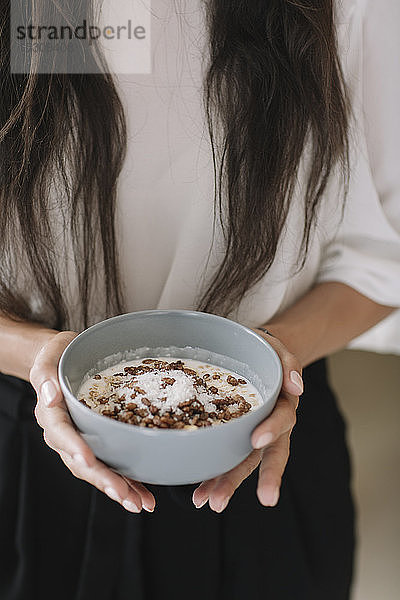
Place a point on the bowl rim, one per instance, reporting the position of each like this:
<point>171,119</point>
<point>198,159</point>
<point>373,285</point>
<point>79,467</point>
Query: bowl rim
<point>153,432</point>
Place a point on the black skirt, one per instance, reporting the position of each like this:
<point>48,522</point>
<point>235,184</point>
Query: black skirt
<point>61,538</point>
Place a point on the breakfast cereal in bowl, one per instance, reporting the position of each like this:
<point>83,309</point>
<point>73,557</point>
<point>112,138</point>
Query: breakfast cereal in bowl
<point>169,397</point>
<point>161,392</point>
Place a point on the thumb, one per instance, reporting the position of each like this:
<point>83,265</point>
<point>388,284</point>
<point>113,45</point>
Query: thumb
<point>292,382</point>
<point>43,374</point>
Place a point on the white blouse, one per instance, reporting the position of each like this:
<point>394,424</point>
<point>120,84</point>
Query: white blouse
<point>165,192</point>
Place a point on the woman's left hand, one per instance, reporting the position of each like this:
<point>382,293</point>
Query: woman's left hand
<point>271,440</point>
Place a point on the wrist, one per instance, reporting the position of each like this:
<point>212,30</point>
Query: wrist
<point>20,343</point>
<point>289,338</point>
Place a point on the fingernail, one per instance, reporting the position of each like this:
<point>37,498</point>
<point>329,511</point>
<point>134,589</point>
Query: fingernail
<point>295,378</point>
<point>111,493</point>
<point>49,392</point>
<point>264,440</point>
<point>275,498</point>
<point>128,505</point>
<point>222,505</point>
<point>79,458</point>
<point>199,504</point>
<point>149,509</point>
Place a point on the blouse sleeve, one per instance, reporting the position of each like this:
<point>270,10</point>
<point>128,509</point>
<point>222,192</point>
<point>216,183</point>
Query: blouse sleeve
<point>365,251</point>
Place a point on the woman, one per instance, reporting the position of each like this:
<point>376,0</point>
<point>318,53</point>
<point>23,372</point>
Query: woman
<point>307,248</point>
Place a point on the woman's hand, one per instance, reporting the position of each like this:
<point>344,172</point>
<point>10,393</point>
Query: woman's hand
<point>271,440</point>
<point>61,435</point>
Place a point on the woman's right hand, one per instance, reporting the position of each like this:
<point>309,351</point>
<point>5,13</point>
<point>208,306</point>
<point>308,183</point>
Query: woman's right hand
<point>62,436</point>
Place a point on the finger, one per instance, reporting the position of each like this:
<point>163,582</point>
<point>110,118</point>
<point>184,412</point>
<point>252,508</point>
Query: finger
<point>226,484</point>
<point>60,433</point>
<point>281,420</point>
<point>107,481</point>
<point>292,380</point>
<point>219,490</point>
<point>148,500</point>
<point>62,437</point>
<point>201,494</point>
<point>272,466</point>
<point>50,411</point>
<point>43,374</point>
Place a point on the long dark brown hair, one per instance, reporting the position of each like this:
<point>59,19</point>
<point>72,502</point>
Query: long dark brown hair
<point>274,83</point>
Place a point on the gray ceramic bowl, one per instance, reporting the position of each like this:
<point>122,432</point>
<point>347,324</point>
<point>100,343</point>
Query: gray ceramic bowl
<point>170,456</point>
